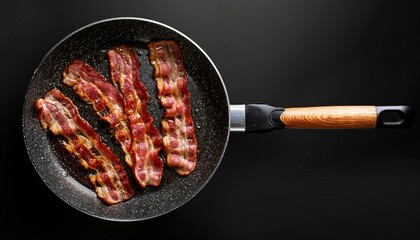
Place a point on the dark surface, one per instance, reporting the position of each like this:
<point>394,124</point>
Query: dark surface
<point>295,184</point>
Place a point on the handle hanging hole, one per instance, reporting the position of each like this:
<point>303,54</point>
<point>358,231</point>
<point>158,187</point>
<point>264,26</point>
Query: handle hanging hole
<point>394,116</point>
<point>391,117</point>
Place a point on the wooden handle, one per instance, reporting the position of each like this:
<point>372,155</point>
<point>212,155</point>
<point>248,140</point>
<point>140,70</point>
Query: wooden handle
<point>330,117</point>
<point>260,117</point>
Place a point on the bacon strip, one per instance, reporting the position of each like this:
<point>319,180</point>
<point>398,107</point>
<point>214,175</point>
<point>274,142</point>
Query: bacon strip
<point>177,126</point>
<point>92,87</point>
<point>58,114</point>
<point>125,71</point>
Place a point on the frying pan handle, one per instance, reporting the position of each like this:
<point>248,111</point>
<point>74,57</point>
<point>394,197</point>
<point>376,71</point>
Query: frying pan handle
<point>259,118</point>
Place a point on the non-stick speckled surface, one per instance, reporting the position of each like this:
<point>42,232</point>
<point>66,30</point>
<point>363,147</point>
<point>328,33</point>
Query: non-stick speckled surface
<point>61,172</point>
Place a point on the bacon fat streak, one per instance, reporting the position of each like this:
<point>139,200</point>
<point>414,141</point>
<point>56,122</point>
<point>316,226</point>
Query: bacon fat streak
<point>177,126</point>
<point>58,114</point>
<point>146,140</point>
<point>92,87</point>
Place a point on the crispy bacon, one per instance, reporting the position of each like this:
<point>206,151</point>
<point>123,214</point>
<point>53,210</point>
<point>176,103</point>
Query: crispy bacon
<point>177,126</point>
<point>92,87</point>
<point>146,140</point>
<point>58,114</point>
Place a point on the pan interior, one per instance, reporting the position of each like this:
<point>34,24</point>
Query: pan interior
<point>62,173</point>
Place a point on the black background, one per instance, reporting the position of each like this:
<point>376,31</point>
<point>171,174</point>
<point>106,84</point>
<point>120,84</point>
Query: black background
<point>296,184</point>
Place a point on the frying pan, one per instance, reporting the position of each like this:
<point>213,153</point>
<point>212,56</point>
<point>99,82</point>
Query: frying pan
<point>213,115</point>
